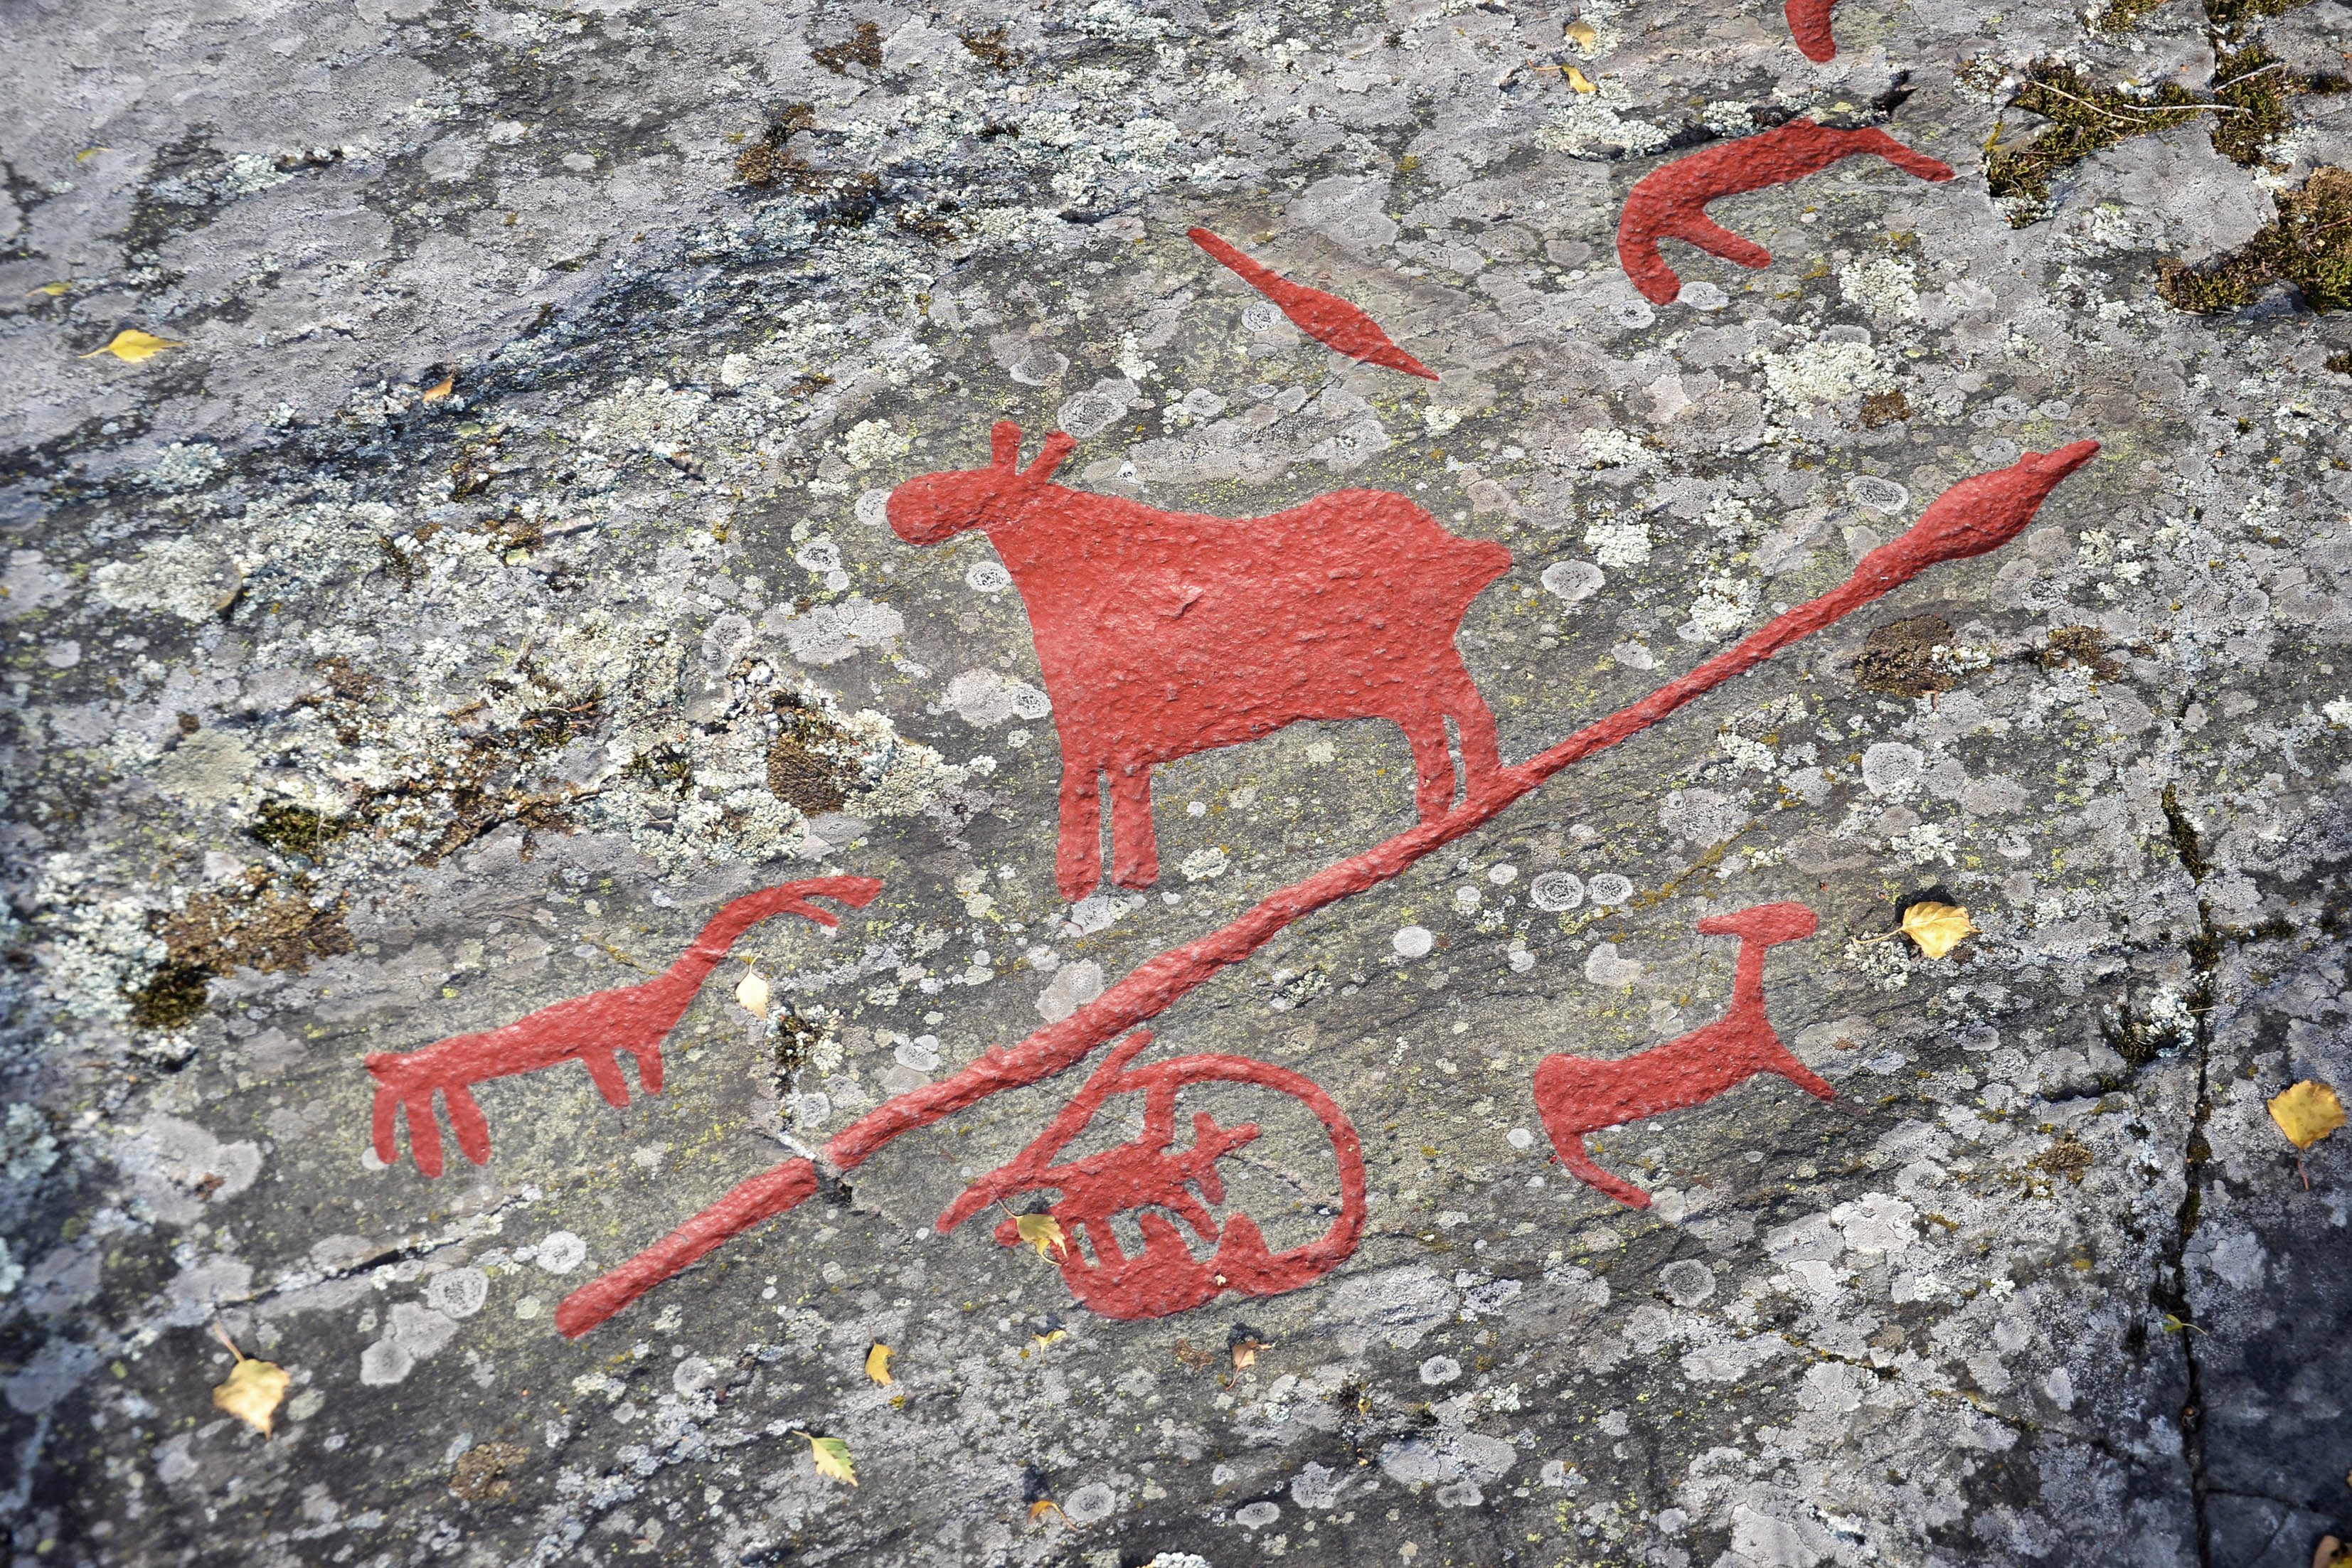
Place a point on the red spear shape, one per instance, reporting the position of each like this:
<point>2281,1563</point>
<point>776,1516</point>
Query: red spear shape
<point>1326,317</point>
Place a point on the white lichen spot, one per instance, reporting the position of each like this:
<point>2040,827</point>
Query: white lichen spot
<point>1618,541</point>
<point>1816,374</point>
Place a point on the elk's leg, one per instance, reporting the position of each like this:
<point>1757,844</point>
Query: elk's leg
<point>1433,766</point>
<point>1482,751</point>
<point>1571,1149</point>
<point>1077,856</point>
<point>1134,848</point>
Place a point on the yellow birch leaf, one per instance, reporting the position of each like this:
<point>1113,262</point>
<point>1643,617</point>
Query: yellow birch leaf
<point>2307,1113</point>
<point>53,290</point>
<point>132,345</point>
<point>1938,928</point>
<point>877,1364</point>
<point>1580,33</point>
<point>254,1389</point>
<point>1576,79</point>
<point>439,389</point>
<point>1048,1337</point>
<point>1041,1231</point>
<point>1046,1505</point>
<point>831,1456</point>
<point>752,992</point>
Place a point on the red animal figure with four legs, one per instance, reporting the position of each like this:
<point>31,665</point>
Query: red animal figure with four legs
<point>591,1030</point>
<point>1164,633</point>
<point>1577,1094</point>
<point>1143,1176</point>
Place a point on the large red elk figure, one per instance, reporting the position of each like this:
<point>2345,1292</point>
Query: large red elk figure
<point>1163,634</point>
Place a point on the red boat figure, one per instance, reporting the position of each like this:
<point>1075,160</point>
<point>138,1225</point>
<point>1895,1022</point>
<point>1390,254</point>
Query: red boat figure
<point>1144,1176</point>
<point>1163,634</point>
<point>1578,1094</point>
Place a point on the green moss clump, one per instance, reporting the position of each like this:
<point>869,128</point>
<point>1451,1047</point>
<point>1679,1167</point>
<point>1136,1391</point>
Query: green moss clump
<point>292,830</point>
<point>172,996</point>
<point>2084,120</point>
<point>2340,363</point>
<point>2309,245</point>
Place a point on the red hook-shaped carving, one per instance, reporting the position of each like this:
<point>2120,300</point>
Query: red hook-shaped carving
<point>1670,203</point>
<point>591,1030</point>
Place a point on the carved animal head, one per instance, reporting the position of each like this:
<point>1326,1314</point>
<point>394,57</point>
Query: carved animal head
<point>933,507</point>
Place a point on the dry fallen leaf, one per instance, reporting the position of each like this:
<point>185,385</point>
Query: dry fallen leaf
<point>1580,33</point>
<point>52,290</point>
<point>1245,1352</point>
<point>1041,1231</point>
<point>439,389</point>
<point>877,1364</point>
<point>1938,928</point>
<point>1043,1339</point>
<point>1576,79</point>
<point>134,345</point>
<point>1198,1358</point>
<point>752,992</point>
<point>831,1456</point>
<point>254,1389</point>
<point>1043,1505</point>
<point>2307,1113</point>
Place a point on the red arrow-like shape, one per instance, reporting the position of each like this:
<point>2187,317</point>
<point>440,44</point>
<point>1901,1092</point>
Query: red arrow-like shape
<point>1326,317</point>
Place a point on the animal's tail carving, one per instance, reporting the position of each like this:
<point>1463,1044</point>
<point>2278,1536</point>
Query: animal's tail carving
<point>591,1030</point>
<point>1578,1094</point>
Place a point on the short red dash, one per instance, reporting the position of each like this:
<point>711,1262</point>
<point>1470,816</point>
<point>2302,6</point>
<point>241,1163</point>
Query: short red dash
<point>1809,24</point>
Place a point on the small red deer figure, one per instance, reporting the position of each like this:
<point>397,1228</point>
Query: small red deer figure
<point>1577,1094</point>
<point>1164,633</point>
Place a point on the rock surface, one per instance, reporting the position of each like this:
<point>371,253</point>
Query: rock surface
<point>491,579</point>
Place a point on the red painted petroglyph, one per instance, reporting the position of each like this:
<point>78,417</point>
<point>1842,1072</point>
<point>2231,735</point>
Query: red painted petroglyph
<point>1974,517</point>
<point>1141,1176</point>
<point>1164,633</point>
<point>1670,202</point>
<point>591,1030</point>
<point>1326,317</point>
<point>1577,1094</point>
<point>1809,24</point>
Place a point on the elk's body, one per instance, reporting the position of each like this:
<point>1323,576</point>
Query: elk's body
<point>1163,634</point>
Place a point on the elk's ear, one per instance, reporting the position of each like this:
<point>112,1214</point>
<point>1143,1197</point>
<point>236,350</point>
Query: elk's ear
<point>1005,444</point>
<point>1058,446</point>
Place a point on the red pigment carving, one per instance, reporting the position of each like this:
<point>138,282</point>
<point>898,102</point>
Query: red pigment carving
<point>1974,517</point>
<point>1141,1175</point>
<point>1670,202</point>
<point>1809,24</point>
<point>1326,317</point>
<point>1164,633</point>
<point>591,1030</point>
<point>1578,1094</point>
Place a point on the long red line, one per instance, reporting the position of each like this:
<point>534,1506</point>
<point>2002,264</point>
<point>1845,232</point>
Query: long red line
<point>1973,517</point>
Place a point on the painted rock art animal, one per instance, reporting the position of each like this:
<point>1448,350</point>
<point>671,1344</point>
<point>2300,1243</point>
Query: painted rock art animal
<point>1670,202</point>
<point>593,1030</point>
<point>1579,1094</point>
<point>1164,633</point>
<point>1143,1176</point>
